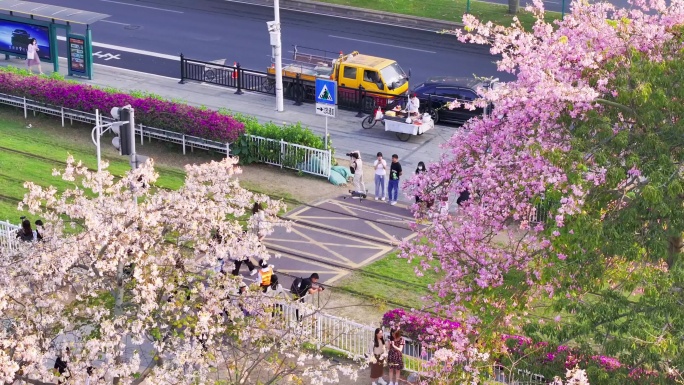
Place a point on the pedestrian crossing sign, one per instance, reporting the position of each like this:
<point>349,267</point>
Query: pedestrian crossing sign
<point>326,91</point>
<point>325,94</point>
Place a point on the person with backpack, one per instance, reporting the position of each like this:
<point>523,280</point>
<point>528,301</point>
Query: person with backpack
<point>303,286</point>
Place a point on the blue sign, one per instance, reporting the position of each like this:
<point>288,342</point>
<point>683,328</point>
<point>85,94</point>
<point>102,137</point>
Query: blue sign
<point>15,37</point>
<point>326,91</point>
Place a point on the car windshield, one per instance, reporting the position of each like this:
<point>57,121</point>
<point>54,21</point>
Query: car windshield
<point>393,75</point>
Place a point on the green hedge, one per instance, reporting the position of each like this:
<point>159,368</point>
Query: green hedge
<point>249,151</point>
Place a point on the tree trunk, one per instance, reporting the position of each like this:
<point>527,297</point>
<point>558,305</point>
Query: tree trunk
<point>513,6</point>
<point>675,248</point>
<point>118,306</point>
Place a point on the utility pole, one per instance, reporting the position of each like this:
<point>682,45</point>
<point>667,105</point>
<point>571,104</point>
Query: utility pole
<point>276,45</point>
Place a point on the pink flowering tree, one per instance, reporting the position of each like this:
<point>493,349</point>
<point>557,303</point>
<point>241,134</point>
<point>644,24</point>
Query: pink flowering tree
<point>131,289</point>
<point>573,230</point>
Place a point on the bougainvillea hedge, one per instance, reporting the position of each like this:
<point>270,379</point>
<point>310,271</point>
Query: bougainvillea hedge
<point>541,357</point>
<point>150,111</point>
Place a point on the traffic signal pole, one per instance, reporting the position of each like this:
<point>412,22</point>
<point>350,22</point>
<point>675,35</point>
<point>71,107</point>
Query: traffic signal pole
<point>124,128</point>
<point>98,130</point>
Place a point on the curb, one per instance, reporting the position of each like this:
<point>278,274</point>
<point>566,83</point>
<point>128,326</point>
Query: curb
<point>367,15</point>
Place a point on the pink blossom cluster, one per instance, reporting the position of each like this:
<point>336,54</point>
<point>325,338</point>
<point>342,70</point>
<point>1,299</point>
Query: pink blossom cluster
<point>509,159</point>
<point>608,363</point>
<point>422,327</point>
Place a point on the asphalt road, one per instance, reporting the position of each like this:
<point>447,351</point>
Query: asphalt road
<point>213,30</point>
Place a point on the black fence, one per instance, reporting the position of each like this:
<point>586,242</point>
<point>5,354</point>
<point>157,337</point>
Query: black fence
<point>296,89</point>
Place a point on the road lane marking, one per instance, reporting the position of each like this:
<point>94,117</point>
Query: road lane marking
<point>130,50</point>
<point>113,22</point>
<point>106,56</point>
<point>141,6</point>
<point>386,45</point>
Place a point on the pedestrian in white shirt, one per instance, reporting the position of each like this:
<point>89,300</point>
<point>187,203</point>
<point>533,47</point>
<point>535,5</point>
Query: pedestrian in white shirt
<point>380,166</point>
<point>413,105</point>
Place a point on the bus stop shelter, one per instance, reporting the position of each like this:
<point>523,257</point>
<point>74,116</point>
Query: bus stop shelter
<point>28,20</point>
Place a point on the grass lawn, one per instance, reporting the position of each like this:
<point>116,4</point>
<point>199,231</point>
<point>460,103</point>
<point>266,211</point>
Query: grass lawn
<point>32,154</point>
<point>449,10</point>
<point>390,280</point>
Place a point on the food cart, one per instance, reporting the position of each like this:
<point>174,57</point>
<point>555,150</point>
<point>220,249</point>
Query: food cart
<point>398,121</point>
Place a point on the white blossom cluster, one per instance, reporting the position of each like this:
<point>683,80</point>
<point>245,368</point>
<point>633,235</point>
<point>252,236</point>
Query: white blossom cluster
<point>131,289</point>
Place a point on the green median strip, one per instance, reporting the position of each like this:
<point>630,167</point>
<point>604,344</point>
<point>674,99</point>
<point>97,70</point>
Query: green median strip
<point>391,280</point>
<point>447,10</point>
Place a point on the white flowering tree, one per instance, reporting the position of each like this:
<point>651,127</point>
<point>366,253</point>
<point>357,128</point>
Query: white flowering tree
<point>129,287</point>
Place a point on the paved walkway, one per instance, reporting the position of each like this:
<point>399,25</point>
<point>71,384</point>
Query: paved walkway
<point>335,236</point>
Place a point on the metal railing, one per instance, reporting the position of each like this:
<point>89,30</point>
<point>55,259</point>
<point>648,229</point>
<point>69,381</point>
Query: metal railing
<point>289,155</point>
<point>294,88</point>
<point>346,336</point>
<point>142,131</point>
<point>8,236</point>
<point>541,211</point>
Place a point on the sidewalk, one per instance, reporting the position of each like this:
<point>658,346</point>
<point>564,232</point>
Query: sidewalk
<point>345,130</point>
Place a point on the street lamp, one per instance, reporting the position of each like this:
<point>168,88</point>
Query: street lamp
<point>276,46</point>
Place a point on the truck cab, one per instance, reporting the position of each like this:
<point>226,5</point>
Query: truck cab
<point>370,73</point>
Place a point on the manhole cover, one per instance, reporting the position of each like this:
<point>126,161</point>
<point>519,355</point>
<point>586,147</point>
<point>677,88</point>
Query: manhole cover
<point>130,26</point>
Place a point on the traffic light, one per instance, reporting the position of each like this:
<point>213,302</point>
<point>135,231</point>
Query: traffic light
<point>124,129</point>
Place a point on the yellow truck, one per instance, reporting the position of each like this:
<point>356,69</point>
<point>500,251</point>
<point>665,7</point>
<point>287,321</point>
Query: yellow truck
<point>368,80</point>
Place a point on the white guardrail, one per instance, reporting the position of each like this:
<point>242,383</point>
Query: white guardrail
<point>297,157</point>
<point>8,236</point>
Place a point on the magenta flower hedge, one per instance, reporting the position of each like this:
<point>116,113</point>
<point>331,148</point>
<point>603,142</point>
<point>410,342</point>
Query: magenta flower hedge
<point>422,327</point>
<point>542,358</point>
<point>549,360</point>
<point>149,111</point>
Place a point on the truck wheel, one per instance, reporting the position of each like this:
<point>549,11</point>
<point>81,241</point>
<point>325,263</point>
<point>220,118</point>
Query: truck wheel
<point>368,104</point>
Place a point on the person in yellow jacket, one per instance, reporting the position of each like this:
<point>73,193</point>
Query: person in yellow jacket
<point>265,275</point>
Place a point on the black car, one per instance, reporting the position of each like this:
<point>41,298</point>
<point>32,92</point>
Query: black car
<point>436,93</point>
<point>20,38</point>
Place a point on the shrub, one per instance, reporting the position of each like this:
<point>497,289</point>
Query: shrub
<point>150,109</point>
<point>250,151</point>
